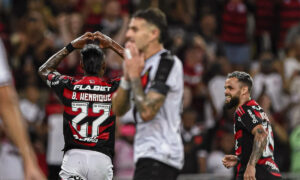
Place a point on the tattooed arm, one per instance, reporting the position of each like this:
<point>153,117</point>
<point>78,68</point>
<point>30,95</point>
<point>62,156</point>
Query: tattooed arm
<point>147,104</point>
<point>259,144</point>
<point>51,64</point>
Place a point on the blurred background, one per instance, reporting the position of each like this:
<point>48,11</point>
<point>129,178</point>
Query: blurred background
<point>211,37</point>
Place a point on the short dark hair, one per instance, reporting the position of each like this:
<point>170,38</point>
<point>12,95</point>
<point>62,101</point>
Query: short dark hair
<point>156,17</point>
<point>242,77</point>
<point>92,57</point>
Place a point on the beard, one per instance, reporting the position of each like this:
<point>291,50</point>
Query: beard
<point>232,103</point>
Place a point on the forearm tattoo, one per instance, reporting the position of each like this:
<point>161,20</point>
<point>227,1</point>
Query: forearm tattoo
<point>145,105</point>
<point>259,144</point>
<point>138,94</point>
<point>52,63</point>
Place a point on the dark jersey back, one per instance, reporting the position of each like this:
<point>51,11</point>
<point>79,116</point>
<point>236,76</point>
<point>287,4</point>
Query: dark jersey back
<point>246,117</point>
<point>88,119</point>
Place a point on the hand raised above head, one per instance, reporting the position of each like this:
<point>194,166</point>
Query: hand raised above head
<point>82,40</point>
<point>104,40</point>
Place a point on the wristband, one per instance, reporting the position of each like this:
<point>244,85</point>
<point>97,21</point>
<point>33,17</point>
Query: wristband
<point>124,84</point>
<point>70,47</point>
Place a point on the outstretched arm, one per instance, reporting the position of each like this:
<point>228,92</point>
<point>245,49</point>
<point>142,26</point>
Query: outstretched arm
<point>259,144</point>
<point>51,64</point>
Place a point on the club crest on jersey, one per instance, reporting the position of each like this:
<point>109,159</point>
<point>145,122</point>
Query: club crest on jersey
<point>91,88</point>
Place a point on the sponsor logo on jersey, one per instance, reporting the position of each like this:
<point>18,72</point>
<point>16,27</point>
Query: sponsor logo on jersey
<point>86,139</point>
<point>91,88</point>
<point>254,120</point>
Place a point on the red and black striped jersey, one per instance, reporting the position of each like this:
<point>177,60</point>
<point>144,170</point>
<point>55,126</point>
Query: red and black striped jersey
<point>88,119</point>
<point>246,117</point>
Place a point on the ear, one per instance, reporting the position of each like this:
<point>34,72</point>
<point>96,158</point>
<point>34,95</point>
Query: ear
<point>155,33</point>
<point>245,90</point>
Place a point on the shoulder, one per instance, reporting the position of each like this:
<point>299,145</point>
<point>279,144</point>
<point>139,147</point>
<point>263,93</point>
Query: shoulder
<point>252,109</point>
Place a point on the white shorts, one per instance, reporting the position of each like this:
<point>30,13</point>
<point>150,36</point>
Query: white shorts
<point>79,164</point>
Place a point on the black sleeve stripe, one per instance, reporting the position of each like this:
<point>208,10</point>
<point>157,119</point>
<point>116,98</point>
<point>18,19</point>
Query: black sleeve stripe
<point>160,88</point>
<point>164,68</point>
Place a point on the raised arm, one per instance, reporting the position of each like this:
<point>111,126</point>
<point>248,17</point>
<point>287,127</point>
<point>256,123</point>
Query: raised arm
<point>147,104</point>
<point>259,144</point>
<point>107,42</point>
<point>51,64</point>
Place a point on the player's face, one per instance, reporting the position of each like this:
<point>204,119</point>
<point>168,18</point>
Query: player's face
<point>232,92</point>
<point>139,32</point>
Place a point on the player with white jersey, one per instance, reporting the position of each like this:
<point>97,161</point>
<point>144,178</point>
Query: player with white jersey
<point>154,78</point>
<point>13,122</point>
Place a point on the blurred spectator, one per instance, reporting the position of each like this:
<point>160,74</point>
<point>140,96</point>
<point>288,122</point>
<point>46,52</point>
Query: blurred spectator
<point>187,97</point>
<point>123,160</point>
<point>114,24</point>
<point>32,46</point>
<point>291,76</point>
<point>224,145</point>
<point>268,80</point>
<point>30,108</point>
<point>265,24</point>
<point>194,147</point>
<point>292,34</point>
<point>92,12</point>
<point>54,112</point>
<point>177,41</point>
<point>45,11</point>
<point>234,32</point>
<point>289,16</point>
<point>218,73</point>
<point>70,27</point>
<point>194,61</point>
<point>214,46</point>
<point>112,20</point>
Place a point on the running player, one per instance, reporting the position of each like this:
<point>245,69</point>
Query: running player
<point>89,124</point>
<point>254,142</point>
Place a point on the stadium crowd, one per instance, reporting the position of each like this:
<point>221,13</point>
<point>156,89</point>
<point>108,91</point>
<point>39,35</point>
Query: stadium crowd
<point>211,37</point>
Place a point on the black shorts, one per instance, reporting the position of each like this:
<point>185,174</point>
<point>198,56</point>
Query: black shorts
<point>150,169</point>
